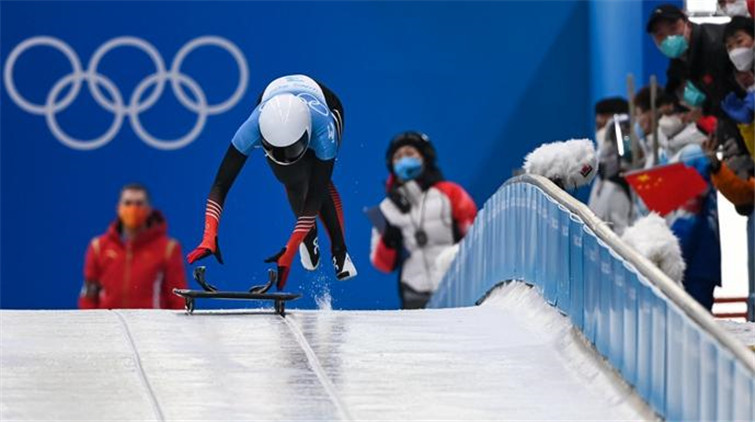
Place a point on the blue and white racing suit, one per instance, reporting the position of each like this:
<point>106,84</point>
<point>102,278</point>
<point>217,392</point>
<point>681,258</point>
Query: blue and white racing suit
<point>307,181</point>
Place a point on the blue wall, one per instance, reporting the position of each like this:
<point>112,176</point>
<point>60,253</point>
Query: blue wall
<point>616,34</point>
<point>487,81</point>
<point>619,45</point>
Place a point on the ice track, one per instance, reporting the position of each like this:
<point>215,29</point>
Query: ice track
<point>514,357</point>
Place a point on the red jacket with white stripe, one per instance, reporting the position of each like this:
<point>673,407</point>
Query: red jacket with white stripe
<point>444,211</point>
<point>137,273</point>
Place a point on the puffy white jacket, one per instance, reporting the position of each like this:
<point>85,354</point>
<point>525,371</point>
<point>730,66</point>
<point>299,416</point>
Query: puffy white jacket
<point>443,213</point>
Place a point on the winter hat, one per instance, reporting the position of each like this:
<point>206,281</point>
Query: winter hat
<point>418,140</point>
<point>666,13</point>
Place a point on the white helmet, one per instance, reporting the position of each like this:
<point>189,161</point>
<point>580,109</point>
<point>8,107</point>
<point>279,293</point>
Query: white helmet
<point>286,126</point>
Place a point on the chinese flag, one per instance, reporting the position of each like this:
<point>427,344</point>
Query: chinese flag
<point>666,188</point>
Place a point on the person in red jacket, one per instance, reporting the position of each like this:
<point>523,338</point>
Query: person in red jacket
<point>421,219</point>
<point>134,264</point>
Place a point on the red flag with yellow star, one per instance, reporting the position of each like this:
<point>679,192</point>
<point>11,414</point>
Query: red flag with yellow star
<point>666,188</point>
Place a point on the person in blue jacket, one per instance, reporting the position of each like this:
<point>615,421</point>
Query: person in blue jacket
<point>695,224</point>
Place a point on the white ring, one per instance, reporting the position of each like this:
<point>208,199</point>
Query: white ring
<point>84,145</point>
<point>11,62</point>
<point>115,104</point>
<point>181,142</point>
<point>137,43</point>
<point>175,68</point>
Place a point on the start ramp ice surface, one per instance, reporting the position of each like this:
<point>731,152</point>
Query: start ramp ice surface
<point>514,357</point>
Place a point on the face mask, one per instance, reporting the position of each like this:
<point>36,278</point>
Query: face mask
<point>738,8</point>
<point>670,125</point>
<point>693,96</point>
<point>742,58</point>
<point>673,46</point>
<point>408,168</point>
<point>133,216</point>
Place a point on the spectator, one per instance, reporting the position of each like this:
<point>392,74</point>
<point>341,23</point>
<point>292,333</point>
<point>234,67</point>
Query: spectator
<point>610,198</point>
<point>739,40</point>
<point>699,72</point>
<point>738,147</point>
<point>643,121</point>
<point>734,177</point>
<point>677,125</point>
<point>604,111</point>
<point>422,217</point>
<point>695,224</point>
<point>741,193</point>
<point>134,264</point>
<point>736,133</point>
<point>735,7</point>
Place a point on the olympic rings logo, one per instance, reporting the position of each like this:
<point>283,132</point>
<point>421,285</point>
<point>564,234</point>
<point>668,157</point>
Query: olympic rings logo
<point>137,104</point>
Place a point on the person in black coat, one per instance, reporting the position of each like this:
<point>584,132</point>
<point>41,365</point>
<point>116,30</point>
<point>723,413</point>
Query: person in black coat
<point>700,72</point>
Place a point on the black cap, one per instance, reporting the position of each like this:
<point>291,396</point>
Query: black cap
<point>418,140</point>
<point>664,12</point>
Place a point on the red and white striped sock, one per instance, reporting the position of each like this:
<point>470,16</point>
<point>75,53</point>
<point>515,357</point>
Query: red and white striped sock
<point>304,224</point>
<point>213,210</point>
<point>212,214</point>
<point>337,201</point>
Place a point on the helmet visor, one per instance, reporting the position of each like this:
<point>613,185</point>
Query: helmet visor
<point>287,155</point>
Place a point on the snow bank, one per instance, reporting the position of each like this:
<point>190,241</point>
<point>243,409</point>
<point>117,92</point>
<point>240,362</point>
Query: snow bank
<point>653,239</point>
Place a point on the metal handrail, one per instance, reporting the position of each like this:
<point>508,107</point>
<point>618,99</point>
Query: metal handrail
<point>653,274</point>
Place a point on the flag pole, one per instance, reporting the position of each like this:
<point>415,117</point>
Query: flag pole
<point>654,114</point>
<point>634,142</point>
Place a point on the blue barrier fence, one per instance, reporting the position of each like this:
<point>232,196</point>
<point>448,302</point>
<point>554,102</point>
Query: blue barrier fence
<point>661,342</point>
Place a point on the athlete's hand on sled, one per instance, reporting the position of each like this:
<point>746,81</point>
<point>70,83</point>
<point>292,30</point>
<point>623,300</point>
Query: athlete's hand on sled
<point>283,261</point>
<point>209,246</point>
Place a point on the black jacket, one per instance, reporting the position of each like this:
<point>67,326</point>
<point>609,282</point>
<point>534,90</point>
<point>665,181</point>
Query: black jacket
<point>706,64</point>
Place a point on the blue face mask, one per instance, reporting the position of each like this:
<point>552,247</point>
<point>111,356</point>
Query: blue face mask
<point>673,46</point>
<point>408,168</point>
<point>693,96</point>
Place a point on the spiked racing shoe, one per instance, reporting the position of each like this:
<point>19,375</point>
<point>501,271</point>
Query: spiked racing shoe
<point>343,266</point>
<point>309,251</point>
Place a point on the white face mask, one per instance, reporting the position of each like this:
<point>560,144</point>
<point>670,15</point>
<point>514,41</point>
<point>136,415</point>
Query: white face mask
<point>742,58</point>
<point>738,8</point>
<point>670,125</point>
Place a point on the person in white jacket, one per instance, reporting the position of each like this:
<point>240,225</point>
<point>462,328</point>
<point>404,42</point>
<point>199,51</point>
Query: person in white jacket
<point>610,198</point>
<point>677,126</point>
<point>421,217</point>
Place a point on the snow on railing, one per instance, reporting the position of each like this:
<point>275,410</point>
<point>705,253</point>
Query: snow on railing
<point>656,336</point>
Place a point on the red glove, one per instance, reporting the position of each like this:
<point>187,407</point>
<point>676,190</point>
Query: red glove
<point>283,261</point>
<point>284,258</point>
<point>209,245</point>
